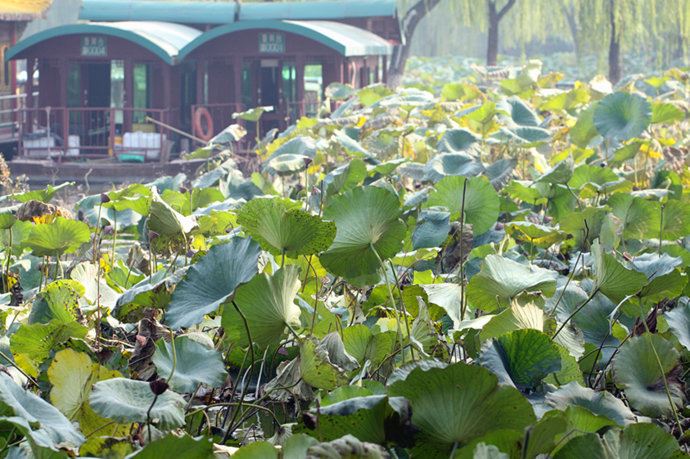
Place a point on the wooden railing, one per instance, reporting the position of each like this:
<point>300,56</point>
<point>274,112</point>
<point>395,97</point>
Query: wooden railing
<point>73,133</point>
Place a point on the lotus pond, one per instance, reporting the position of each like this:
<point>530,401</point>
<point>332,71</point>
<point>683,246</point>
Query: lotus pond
<point>492,271</point>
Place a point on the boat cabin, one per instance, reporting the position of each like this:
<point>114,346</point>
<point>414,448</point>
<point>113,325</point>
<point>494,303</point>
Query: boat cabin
<point>144,80</point>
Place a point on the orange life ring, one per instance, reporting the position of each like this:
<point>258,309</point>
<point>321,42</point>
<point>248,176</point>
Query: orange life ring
<point>203,116</point>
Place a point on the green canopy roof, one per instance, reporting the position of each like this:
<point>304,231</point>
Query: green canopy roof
<point>206,12</point>
<point>163,39</point>
<point>345,39</point>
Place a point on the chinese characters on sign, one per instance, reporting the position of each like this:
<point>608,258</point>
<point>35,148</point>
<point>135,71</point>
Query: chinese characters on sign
<point>271,42</point>
<point>94,46</point>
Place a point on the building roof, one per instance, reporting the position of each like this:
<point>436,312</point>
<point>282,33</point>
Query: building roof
<point>206,12</point>
<point>22,10</point>
<point>163,39</point>
<point>346,39</point>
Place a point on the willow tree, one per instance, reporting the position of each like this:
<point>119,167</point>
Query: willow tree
<point>660,27</point>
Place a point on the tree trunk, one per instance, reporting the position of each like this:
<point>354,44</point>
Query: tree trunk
<point>614,47</point>
<point>492,39</point>
<point>570,17</point>
<point>494,23</point>
<point>408,25</point>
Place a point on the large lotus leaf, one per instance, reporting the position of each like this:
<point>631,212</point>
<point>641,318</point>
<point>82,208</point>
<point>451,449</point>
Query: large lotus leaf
<point>171,445</point>
<point>481,201</point>
<point>432,229</point>
<point>212,280</point>
<point>296,446</point>
<point>126,400</point>
<point>461,402</point>
<point>326,364</point>
<point>361,417</point>
<point>600,403</point>
<point>622,116</point>
<point>32,344</point>
<point>612,278</point>
<point>96,288</point>
<point>539,235</point>
<point>267,303</point>
<point>36,418</point>
<point>43,195</point>
<point>7,219</point>
<point>166,221</point>
<point>347,447</point>
<point>561,173</point>
<point>368,228</point>
<point>636,441</point>
<point>679,322</point>
<point>522,358</point>
<point>193,364</point>
<point>676,219</point>
<point>300,146</point>
<point>520,113</point>
<point>57,237</point>
<point>72,375</point>
<point>58,301</point>
<point>643,441</point>
<point>446,164</point>
<point>151,292</point>
<point>501,279</point>
<point>281,227</point>
<point>447,296</point>
<point>637,371</point>
<point>584,130</point>
<point>455,140</point>
<point>587,445</point>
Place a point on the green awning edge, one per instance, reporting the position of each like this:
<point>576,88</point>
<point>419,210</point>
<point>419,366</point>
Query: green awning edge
<point>284,26</point>
<point>78,29</point>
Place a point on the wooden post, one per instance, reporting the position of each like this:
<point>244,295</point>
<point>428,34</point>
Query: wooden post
<point>299,74</point>
<point>63,69</point>
<point>129,96</point>
<point>167,75</point>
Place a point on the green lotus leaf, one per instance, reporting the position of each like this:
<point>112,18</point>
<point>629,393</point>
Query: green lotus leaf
<point>253,114</point>
<point>451,164</point>
<point>584,130</point>
<point>166,221</point>
<point>481,201</point>
<point>44,195</point>
<point>432,229</point>
<point>96,288</point>
<point>666,113</point>
<point>561,173</point>
<point>151,292</point>
<point>637,441</point>
<point>679,322</point>
<point>455,140</point>
<point>599,403</point>
<point>326,364</point>
<point>7,219</point>
<point>281,227</point>
<point>461,402</point>
<point>126,400</point>
<point>193,364</point>
<point>35,418</point>
<point>211,281</point>
<point>72,375</point>
<point>58,301</point>
<point>622,116</point>
<point>32,344</point>
<point>59,237</point>
<point>637,371</point>
<point>368,229</point>
<point>267,303</point>
<point>522,358</point>
<point>519,112</point>
<point>502,279</point>
<point>539,235</point>
<point>361,417</point>
<point>296,446</point>
<point>171,445</point>
<point>612,278</point>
